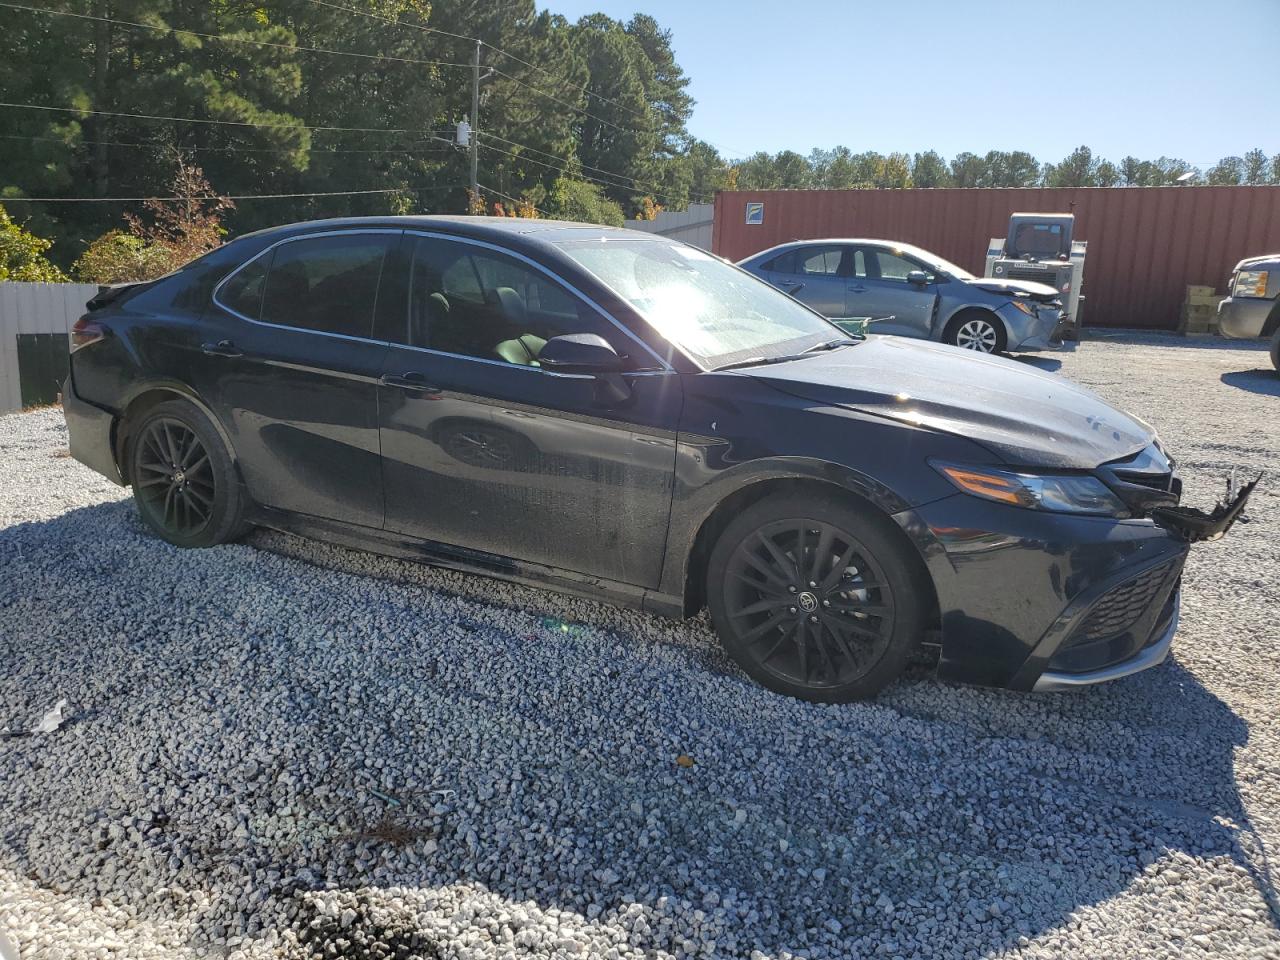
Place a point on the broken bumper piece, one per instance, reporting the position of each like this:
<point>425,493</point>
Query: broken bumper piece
<point>1196,525</point>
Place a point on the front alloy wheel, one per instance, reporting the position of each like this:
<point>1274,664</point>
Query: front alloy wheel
<point>814,599</point>
<point>977,334</point>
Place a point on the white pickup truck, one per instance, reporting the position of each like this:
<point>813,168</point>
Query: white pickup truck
<point>1253,308</point>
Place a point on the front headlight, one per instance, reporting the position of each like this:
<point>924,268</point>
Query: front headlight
<point>1250,283</point>
<point>1025,307</point>
<point>1068,493</point>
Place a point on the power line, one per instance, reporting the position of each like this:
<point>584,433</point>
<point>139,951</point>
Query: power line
<point>228,39</point>
<point>229,123</point>
<point>504,196</point>
<point>550,96</point>
<point>591,179</point>
<point>245,196</point>
<point>160,146</point>
<point>631,182</point>
<point>497,50</point>
<point>392,20</point>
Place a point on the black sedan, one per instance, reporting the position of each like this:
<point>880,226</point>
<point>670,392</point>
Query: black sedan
<point>619,416</point>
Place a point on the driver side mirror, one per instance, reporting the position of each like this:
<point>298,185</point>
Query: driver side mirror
<point>592,355</point>
<point>918,278</point>
<point>579,353</point>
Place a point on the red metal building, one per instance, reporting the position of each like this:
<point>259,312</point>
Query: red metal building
<point>1146,244</point>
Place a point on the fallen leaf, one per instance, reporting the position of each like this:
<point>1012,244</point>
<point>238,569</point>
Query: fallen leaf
<point>684,760</point>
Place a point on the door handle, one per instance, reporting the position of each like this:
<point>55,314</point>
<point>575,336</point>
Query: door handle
<point>412,380</point>
<point>858,289</point>
<point>223,348</point>
<point>786,286</point>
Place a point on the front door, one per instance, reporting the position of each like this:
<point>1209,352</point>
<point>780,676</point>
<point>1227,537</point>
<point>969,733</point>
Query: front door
<point>291,369</point>
<point>483,449</point>
<point>906,308</point>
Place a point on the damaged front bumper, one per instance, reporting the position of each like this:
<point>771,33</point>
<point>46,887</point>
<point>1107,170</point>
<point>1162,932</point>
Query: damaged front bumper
<point>1032,600</point>
<point>1195,525</point>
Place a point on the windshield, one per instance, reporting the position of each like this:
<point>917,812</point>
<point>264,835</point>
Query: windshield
<point>714,312</point>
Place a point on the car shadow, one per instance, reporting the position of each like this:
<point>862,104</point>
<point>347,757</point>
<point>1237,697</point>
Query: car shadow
<point>319,727</point>
<point>1266,382</point>
<point>1048,364</point>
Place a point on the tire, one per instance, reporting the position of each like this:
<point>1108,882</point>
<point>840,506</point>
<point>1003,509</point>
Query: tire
<point>840,628</point>
<point>185,484</point>
<point>976,330</point>
<point>1275,350</point>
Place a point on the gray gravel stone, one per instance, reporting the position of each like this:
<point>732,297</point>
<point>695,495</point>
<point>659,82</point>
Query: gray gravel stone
<point>283,749</point>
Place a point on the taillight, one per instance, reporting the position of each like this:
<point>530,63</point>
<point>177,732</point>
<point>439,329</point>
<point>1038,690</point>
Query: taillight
<point>86,332</point>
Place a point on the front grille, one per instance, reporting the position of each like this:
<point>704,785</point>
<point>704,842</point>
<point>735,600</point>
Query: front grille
<point>1048,277</point>
<point>1156,481</point>
<point>1120,609</point>
<point>1123,621</point>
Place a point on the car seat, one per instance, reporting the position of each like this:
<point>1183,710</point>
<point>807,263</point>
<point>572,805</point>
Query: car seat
<point>522,348</point>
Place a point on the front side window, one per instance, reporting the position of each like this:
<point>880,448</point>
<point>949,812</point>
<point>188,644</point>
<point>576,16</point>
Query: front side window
<point>328,284</point>
<point>895,267</point>
<point>716,313</point>
<point>476,302</point>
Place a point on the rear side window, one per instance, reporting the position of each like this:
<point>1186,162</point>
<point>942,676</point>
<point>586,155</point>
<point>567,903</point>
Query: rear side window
<point>328,284</point>
<point>243,292</point>
<point>786,263</point>
<point>824,262</point>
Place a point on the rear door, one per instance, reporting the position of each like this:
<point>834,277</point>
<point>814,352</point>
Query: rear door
<point>483,449</point>
<point>814,275</point>
<point>886,292</point>
<point>293,376</point>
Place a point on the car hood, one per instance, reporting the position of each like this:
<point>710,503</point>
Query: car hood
<point>1012,287</point>
<point>1028,417</point>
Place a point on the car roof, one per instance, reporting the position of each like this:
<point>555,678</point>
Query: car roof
<point>497,229</point>
<point>824,241</point>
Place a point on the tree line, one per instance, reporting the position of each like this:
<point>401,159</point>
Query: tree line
<point>841,168</point>
<point>352,102</point>
<point>296,109</point>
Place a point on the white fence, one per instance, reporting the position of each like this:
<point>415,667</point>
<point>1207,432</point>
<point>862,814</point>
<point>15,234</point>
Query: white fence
<point>691,226</point>
<point>27,308</point>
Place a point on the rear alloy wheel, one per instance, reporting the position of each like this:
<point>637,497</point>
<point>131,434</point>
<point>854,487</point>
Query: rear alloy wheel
<point>975,331</point>
<point>184,483</point>
<point>815,598</point>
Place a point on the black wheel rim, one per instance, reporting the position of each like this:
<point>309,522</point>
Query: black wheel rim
<point>809,603</point>
<point>174,477</point>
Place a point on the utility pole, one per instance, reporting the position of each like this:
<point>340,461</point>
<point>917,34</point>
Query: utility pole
<point>475,121</point>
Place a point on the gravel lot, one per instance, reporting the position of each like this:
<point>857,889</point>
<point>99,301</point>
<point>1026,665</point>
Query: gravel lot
<point>285,749</point>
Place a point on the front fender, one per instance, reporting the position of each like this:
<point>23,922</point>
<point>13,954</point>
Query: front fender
<point>949,313</point>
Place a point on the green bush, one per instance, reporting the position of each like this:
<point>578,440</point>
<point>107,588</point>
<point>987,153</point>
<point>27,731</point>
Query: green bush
<point>119,257</point>
<point>22,254</point>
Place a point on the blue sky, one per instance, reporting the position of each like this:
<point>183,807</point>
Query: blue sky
<point>1195,79</point>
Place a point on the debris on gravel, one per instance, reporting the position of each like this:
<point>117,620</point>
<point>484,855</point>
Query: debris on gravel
<point>285,749</point>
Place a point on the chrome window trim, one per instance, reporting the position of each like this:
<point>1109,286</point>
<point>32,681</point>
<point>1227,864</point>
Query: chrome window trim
<point>360,231</point>
<point>665,368</point>
<point>627,331</point>
<point>521,366</point>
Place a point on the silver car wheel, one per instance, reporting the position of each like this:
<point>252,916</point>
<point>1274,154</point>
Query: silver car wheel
<point>977,335</point>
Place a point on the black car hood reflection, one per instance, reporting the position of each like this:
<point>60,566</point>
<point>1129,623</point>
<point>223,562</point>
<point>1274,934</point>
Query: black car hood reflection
<point>1026,416</point>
